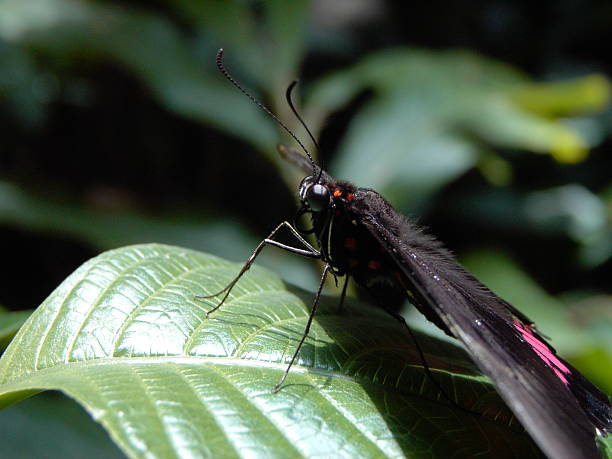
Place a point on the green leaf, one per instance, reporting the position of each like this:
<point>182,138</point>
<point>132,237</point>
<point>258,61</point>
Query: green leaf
<point>397,148</point>
<point>126,338</point>
<point>10,321</point>
<point>53,426</point>
<point>282,23</point>
<point>24,90</point>
<point>574,210</point>
<point>240,40</point>
<point>287,29</point>
<point>590,93</point>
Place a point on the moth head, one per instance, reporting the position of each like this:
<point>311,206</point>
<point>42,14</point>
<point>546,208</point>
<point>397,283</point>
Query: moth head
<point>314,194</point>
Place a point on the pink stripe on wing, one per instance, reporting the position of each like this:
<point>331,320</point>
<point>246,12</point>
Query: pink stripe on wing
<point>543,351</point>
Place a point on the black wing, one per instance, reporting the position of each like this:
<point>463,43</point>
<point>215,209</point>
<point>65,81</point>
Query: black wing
<point>560,408</point>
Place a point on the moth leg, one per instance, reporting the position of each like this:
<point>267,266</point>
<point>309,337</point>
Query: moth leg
<point>343,294</point>
<point>428,371</point>
<point>310,252</point>
<point>315,303</point>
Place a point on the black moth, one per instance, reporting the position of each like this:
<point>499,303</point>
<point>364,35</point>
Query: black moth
<point>360,236</point>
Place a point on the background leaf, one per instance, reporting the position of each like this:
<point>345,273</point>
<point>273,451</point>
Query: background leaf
<point>53,426</point>
<point>10,322</point>
<point>413,136</point>
<point>171,69</point>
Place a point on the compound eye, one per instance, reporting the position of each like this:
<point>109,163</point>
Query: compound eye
<point>318,197</point>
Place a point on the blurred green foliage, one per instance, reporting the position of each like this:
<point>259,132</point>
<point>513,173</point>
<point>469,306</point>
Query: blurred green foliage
<point>117,129</point>
<point>62,428</point>
<point>10,322</point>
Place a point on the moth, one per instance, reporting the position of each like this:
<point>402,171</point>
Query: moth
<point>360,236</point>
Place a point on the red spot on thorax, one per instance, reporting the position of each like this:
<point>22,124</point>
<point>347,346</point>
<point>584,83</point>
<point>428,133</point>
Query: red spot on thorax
<point>543,352</point>
<point>350,243</point>
<point>374,264</point>
<point>339,193</point>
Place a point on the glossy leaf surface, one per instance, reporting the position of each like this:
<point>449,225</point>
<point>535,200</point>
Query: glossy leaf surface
<point>125,337</point>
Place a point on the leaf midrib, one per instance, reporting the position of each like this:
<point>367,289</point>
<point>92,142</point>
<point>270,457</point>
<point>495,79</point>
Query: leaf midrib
<point>185,360</point>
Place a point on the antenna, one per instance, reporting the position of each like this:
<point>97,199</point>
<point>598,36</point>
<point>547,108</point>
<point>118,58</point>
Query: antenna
<point>297,115</point>
<point>221,67</point>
